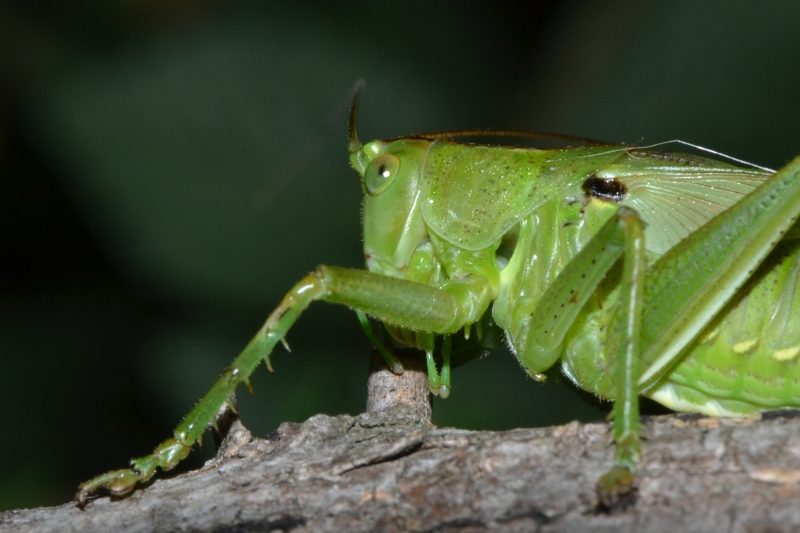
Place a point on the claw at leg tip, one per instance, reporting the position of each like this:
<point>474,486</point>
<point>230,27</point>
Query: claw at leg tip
<point>617,485</point>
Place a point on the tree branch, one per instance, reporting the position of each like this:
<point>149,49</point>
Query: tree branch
<point>386,389</point>
<point>390,469</point>
<point>393,471</point>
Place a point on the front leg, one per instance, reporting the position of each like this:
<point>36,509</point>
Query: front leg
<point>400,302</point>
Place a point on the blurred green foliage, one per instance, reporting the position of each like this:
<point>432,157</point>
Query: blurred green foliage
<point>169,169</point>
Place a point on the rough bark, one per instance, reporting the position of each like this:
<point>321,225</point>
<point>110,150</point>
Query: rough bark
<point>393,471</point>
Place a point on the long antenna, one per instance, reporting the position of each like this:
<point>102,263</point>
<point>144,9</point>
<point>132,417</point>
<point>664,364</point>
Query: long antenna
<point>710,151</point>
<point>353,144</point>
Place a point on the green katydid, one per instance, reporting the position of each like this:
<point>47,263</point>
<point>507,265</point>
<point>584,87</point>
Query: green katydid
<point>644,272</point>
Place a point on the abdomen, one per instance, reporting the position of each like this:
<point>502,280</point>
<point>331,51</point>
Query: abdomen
<point>746,360</point>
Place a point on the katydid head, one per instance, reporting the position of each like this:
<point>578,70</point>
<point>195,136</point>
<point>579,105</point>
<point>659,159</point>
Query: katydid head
<point>390,174</point>
<point>393,223</point>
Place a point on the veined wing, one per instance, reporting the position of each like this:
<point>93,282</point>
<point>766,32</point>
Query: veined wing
<point>677,193</point>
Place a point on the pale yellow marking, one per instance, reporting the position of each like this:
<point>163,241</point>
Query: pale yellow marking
<point>741,347</point>
<point>711,336</point>
<point>786,353</point>
<point>668,396</point>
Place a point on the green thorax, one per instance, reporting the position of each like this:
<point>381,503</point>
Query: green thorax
<point>473,195</point>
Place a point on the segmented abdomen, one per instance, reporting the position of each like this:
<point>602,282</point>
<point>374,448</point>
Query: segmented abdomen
<point>746,360</point>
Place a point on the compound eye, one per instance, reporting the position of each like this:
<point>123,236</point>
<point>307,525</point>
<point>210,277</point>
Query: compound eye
<point>380,173</point>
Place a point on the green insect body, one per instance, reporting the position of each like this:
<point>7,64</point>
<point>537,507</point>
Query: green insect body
<point>643,272</point>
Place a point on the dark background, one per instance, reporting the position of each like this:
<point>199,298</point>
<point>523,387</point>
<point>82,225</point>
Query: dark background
<point>168,169</point>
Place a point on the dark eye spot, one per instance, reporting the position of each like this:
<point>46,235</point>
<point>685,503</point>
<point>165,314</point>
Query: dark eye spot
<point>382,171</point>
<point>609,190</point>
